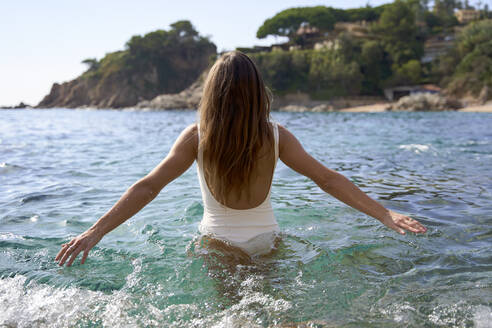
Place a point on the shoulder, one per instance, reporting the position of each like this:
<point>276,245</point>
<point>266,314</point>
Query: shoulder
<point>190,133</point>
<point>286,138</point>
<point>188,139</point>
<point>283,131</point>
<point>191,129</point>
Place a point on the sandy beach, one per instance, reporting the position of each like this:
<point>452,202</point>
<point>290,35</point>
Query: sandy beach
<point>381,107</point>
<point>485,108</point>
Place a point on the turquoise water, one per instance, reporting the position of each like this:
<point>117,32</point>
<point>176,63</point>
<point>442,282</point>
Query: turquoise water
<point>61,169</point>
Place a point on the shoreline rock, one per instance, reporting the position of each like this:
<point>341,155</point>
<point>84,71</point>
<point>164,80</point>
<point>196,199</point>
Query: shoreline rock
<point>288,103</point>
<point>21,105</point>
<point>294,102</point>
<point>425,102</point>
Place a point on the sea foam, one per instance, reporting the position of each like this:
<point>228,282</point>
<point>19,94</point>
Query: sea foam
<point>416,148</point>
<point>26,303</point>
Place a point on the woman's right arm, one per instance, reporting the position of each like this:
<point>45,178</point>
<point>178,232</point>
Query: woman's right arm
<point>293,155</point>
<point>179,159</point>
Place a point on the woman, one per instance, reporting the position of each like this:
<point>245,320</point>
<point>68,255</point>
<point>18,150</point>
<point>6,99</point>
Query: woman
<point>236,148</point>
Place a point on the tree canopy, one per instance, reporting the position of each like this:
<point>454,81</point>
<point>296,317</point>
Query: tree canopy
<point>398,33</point>
<point>468,66</point>
<point>287,22</point>
<point>92,63</point>
<point>156,44</point>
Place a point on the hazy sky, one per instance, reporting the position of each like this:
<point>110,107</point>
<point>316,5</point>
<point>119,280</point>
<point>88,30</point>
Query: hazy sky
<point>45,41</point>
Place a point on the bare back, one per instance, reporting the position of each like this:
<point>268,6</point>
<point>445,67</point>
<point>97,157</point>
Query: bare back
<point>260,183</point>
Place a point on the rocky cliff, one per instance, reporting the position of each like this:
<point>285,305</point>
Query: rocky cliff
<point>157,63</point>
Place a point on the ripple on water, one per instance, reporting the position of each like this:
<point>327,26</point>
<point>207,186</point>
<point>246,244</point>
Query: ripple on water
<point>6,168</point>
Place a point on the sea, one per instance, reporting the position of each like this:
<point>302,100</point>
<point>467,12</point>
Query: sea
<point>61,169</point>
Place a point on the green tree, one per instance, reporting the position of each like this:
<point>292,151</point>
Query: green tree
<point>374,67</point>
<point>444,11</point>
<point>408,73</point>
<point>184,29</point>
<point>348,48</point>
<point>322,74</point>
<point>331,76</point>
<point>92,64</point>
<point>287,22</point>
<point>398,33</point>
<point>276,69</point>
<point>468,66</point>
<point>368,14</point>
<point>446,7</point>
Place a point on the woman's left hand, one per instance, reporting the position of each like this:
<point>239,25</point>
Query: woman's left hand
<point>83,242</point>
<point>399,222</point>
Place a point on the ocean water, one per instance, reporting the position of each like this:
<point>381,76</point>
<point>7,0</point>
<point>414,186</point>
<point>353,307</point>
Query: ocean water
<point>334,267</point>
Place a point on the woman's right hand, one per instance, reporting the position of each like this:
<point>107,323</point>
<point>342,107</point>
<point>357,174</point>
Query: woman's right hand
<point>84,242</point>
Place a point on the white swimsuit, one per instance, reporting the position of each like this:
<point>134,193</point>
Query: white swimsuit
<point>253,230</point>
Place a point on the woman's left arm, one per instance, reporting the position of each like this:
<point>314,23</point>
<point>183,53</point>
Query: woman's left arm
<point>179,159</point>
<point>293,155</point>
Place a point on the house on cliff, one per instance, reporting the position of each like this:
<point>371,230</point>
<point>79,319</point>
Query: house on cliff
<point>437,46</point>
<point>465,16</point>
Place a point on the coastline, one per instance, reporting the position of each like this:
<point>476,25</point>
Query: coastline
<point>378,107</point>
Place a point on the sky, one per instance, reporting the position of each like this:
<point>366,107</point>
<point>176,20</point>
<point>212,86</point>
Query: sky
<point>43,42</point>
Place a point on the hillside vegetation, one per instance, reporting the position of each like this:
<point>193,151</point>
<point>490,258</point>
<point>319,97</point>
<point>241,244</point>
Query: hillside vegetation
<point>389,53</point>
<point>467,68</point>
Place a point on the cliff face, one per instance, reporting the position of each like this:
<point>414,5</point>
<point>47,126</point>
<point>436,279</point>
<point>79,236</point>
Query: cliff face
<point>113,92</point>
<point>122,90</point>
<point>157,63</point>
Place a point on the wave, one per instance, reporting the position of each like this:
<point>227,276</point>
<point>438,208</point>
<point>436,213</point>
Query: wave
<point>35,197</point>
<point>416,148</point>
<point>7,168</point>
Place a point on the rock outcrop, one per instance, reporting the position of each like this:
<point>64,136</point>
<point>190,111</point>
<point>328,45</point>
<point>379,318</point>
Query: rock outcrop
<point>425,102</point>
<point>21,105</point>
<point>189,98</point>
<point>114,92</point>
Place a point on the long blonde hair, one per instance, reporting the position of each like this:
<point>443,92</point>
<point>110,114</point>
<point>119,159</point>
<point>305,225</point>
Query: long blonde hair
<point>234,124</point>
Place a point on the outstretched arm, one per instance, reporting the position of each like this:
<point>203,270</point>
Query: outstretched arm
<point>293,155</point>
<point>179,159</point>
